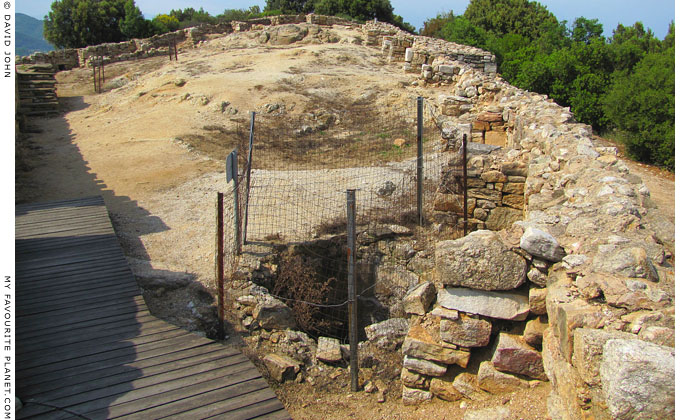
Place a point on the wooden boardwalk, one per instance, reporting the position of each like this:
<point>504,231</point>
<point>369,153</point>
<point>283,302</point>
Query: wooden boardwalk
<point>87,346</point>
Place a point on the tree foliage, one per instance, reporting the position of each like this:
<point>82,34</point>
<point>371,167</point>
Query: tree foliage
<point>623,83</point>
<point>78,23</point>
<point>134,25</point>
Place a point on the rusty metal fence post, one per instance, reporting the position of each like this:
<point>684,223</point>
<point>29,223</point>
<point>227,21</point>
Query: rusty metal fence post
<point>219,267</point>
<point>464,182</point>
<point>249,177</point>
<point>420,160</point>
<point>352,289</point>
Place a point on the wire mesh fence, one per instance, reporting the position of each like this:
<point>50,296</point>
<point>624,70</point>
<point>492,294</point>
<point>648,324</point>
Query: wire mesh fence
<point>294,201</point>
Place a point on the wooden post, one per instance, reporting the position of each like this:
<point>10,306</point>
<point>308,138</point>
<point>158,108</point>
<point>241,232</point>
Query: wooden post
<point>352,289</point>
<point>93,64</point>
<point>219,267</point>
<point>175,45</point>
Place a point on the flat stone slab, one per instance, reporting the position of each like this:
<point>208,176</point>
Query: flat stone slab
<point>500,305</point>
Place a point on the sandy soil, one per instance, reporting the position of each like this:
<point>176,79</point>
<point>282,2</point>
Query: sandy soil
<point>128,145</point>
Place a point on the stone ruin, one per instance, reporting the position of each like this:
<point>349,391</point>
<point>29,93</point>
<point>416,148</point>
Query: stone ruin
<point>566,277</point>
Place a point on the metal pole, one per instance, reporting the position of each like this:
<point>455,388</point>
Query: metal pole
<point>169,50</point>
<point>219,267</point>
<point>175,45</point>
<point>420,159</point>
<point>352,288</point>
<point>93,64</point>
<point>249,175</point>
<point>102,71</point>
<point>464,181</point>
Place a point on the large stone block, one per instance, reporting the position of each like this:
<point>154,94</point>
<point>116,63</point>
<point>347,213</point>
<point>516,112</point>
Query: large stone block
<point>414,379</point>
<point>572,315</point>
<point>281,367</point>
<point>420,344</point>
<point>466,331</point>
<point>638,380</point>
<point>537,300</point>
<point>388,334</point>
<point>494,381</point>
<point>516,201</point>
<point>500,305</point>
<point>424,367</point>
<point>541,244</point>
<point>502,218</point>
<point>480,261</point>
<point>513,355</point>
<point>588,346</point>
<point>271,314</point>
<point>419,299</point>
<point>412,396</point>
<point>328,350</point>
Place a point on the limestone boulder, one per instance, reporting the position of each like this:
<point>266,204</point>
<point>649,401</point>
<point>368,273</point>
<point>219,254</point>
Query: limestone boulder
<point>514,355</point>
<point>500,305</point>
<point>412,396</point>
<point>270,313</point>
<point>502,218</point>
<point>541,245</point>
<point>495,382</point>
<point>328,350</point>
<point>466,331</point>
<point>419,298</point>
<point>424,367</point>
<point>281,367</point>
<point>638,379</point>
<point>588,347</point>
<point>420,344</point>
<point>479,261</point>
<point>388,334</point>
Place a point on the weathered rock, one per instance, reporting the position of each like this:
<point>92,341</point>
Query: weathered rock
<point>442,312</point>
<point>541,244</point>
<point>281,367</point>
<point>420,344</point>
<point>419,299</point>
<point>622,293</point>
<point>638,379</point>
<point>628,262</point>
<point>479,261</point>
<point>513,355</point>
<point>572,315</point>
<point>493,413</point>
<point>413,379</point>
<point>494,176</point>
<point>588,346</point>
<point>466,385</point>
<point>500,305</point>
<point>442,387</point>
<point>537,300</point>
<point>466,331</point>
<point>502,218</point>
<point>425,367</point>
<point>534,331</point>
<point>271,313</point>
<point>516,201</point>
<point>658,335</point>
<point>328,350</point>
<point>494,381</point>
<point>537,277</point>
<point>388,334</point>
<point>411,396</point>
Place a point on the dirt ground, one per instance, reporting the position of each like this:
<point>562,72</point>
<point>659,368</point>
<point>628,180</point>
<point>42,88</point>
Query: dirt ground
<point>146,147</point>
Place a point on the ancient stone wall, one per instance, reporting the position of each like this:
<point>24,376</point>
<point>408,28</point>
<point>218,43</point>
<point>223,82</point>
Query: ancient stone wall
<point>593,253</point>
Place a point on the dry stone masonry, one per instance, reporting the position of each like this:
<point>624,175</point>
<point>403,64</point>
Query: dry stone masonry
<point>566,276</point>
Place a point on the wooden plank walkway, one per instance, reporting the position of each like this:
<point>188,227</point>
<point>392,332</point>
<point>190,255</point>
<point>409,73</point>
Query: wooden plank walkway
<point>87,346</point>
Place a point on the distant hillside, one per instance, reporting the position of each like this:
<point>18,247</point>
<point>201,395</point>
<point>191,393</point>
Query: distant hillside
<point>29,35</point>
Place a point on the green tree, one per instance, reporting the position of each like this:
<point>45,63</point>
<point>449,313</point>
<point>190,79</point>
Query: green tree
<point>631,44</point>
<point>432,27</point>
<point>191,17</point>
<point>290,7</point>
<point>134,25</point>
<point>239,14</point>
<point>362,10</point>
<point>586,30</point>
<point>522,17</point>
<point>78,23</point>
<point>641,106</point>
<point>165,23</point>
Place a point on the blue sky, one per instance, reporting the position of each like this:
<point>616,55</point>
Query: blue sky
<point>655,14</point>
